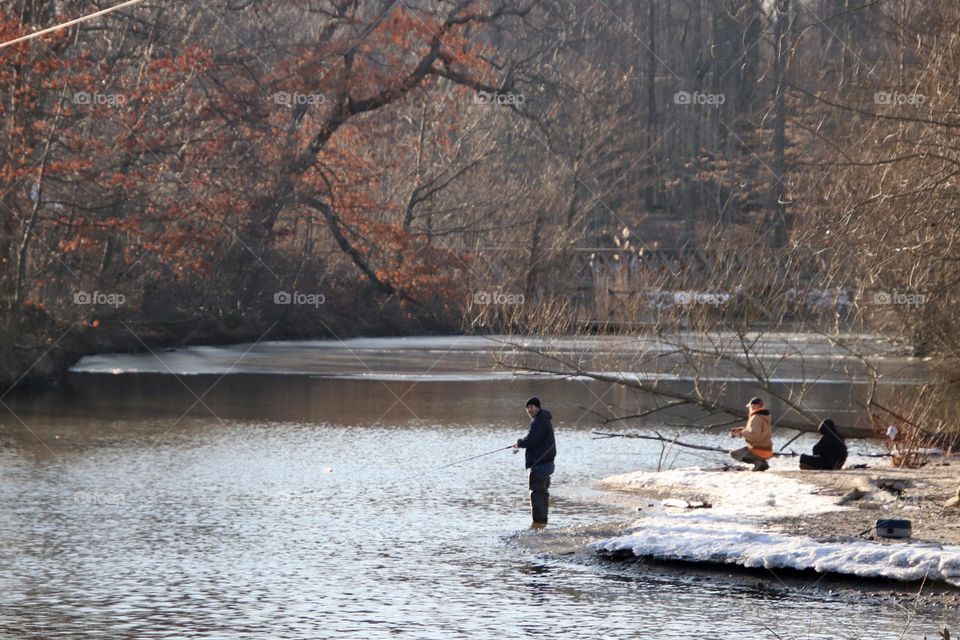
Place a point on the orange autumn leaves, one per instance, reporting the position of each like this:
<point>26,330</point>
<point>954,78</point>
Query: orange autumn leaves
<point>186,150</point>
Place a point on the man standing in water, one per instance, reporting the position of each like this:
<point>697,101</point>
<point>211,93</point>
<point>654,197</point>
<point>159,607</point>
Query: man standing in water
<point>757,433</point>
<point>541,449</point>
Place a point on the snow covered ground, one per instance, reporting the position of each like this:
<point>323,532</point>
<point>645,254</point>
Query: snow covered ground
<point>733,530</point>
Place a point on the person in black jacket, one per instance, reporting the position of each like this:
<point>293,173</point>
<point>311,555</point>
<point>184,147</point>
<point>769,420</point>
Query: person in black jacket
<point>541,449</point>
<point>829,453</point>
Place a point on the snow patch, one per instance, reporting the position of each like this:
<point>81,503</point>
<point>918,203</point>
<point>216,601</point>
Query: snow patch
<point>737,495</point>
<point>747,546</point>
<point>732,532</point>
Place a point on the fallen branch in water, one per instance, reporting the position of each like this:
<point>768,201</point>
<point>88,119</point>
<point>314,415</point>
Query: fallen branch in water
<point>659,438</point>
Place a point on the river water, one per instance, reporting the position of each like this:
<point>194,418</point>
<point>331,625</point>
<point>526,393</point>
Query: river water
<point>295,491</point>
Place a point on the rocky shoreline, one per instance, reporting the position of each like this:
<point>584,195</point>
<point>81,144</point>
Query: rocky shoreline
<point>917,495</point>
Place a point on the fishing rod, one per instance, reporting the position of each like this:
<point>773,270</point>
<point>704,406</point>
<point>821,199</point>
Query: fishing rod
<point>600,435</point>
<point>475,457</point>
<point>64,25</point>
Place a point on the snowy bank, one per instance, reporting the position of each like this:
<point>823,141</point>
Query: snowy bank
<point>740,528</point>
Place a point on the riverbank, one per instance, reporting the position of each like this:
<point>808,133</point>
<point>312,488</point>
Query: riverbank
<point>43,351</point>
<point>795,520</point>
<point>40,360</point>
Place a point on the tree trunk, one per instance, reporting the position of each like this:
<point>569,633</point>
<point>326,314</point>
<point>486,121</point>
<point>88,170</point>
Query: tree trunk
<point>780,195</point>
<point>649,193</point>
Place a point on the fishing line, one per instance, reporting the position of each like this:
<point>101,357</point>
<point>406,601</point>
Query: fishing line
<point>70,23</point>
<point>475,457</point>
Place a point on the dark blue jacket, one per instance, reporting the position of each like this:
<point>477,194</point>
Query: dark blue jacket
<point>539,442</point>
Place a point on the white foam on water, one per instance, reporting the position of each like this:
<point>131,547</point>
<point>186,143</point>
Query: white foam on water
<point>470,355</point>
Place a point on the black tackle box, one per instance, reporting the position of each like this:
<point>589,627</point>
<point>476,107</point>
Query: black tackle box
<point>890,528</point>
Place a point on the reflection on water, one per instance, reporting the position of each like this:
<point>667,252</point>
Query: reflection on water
<point>288,506</point>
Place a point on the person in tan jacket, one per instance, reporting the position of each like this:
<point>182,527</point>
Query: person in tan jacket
<point>757,432</point>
